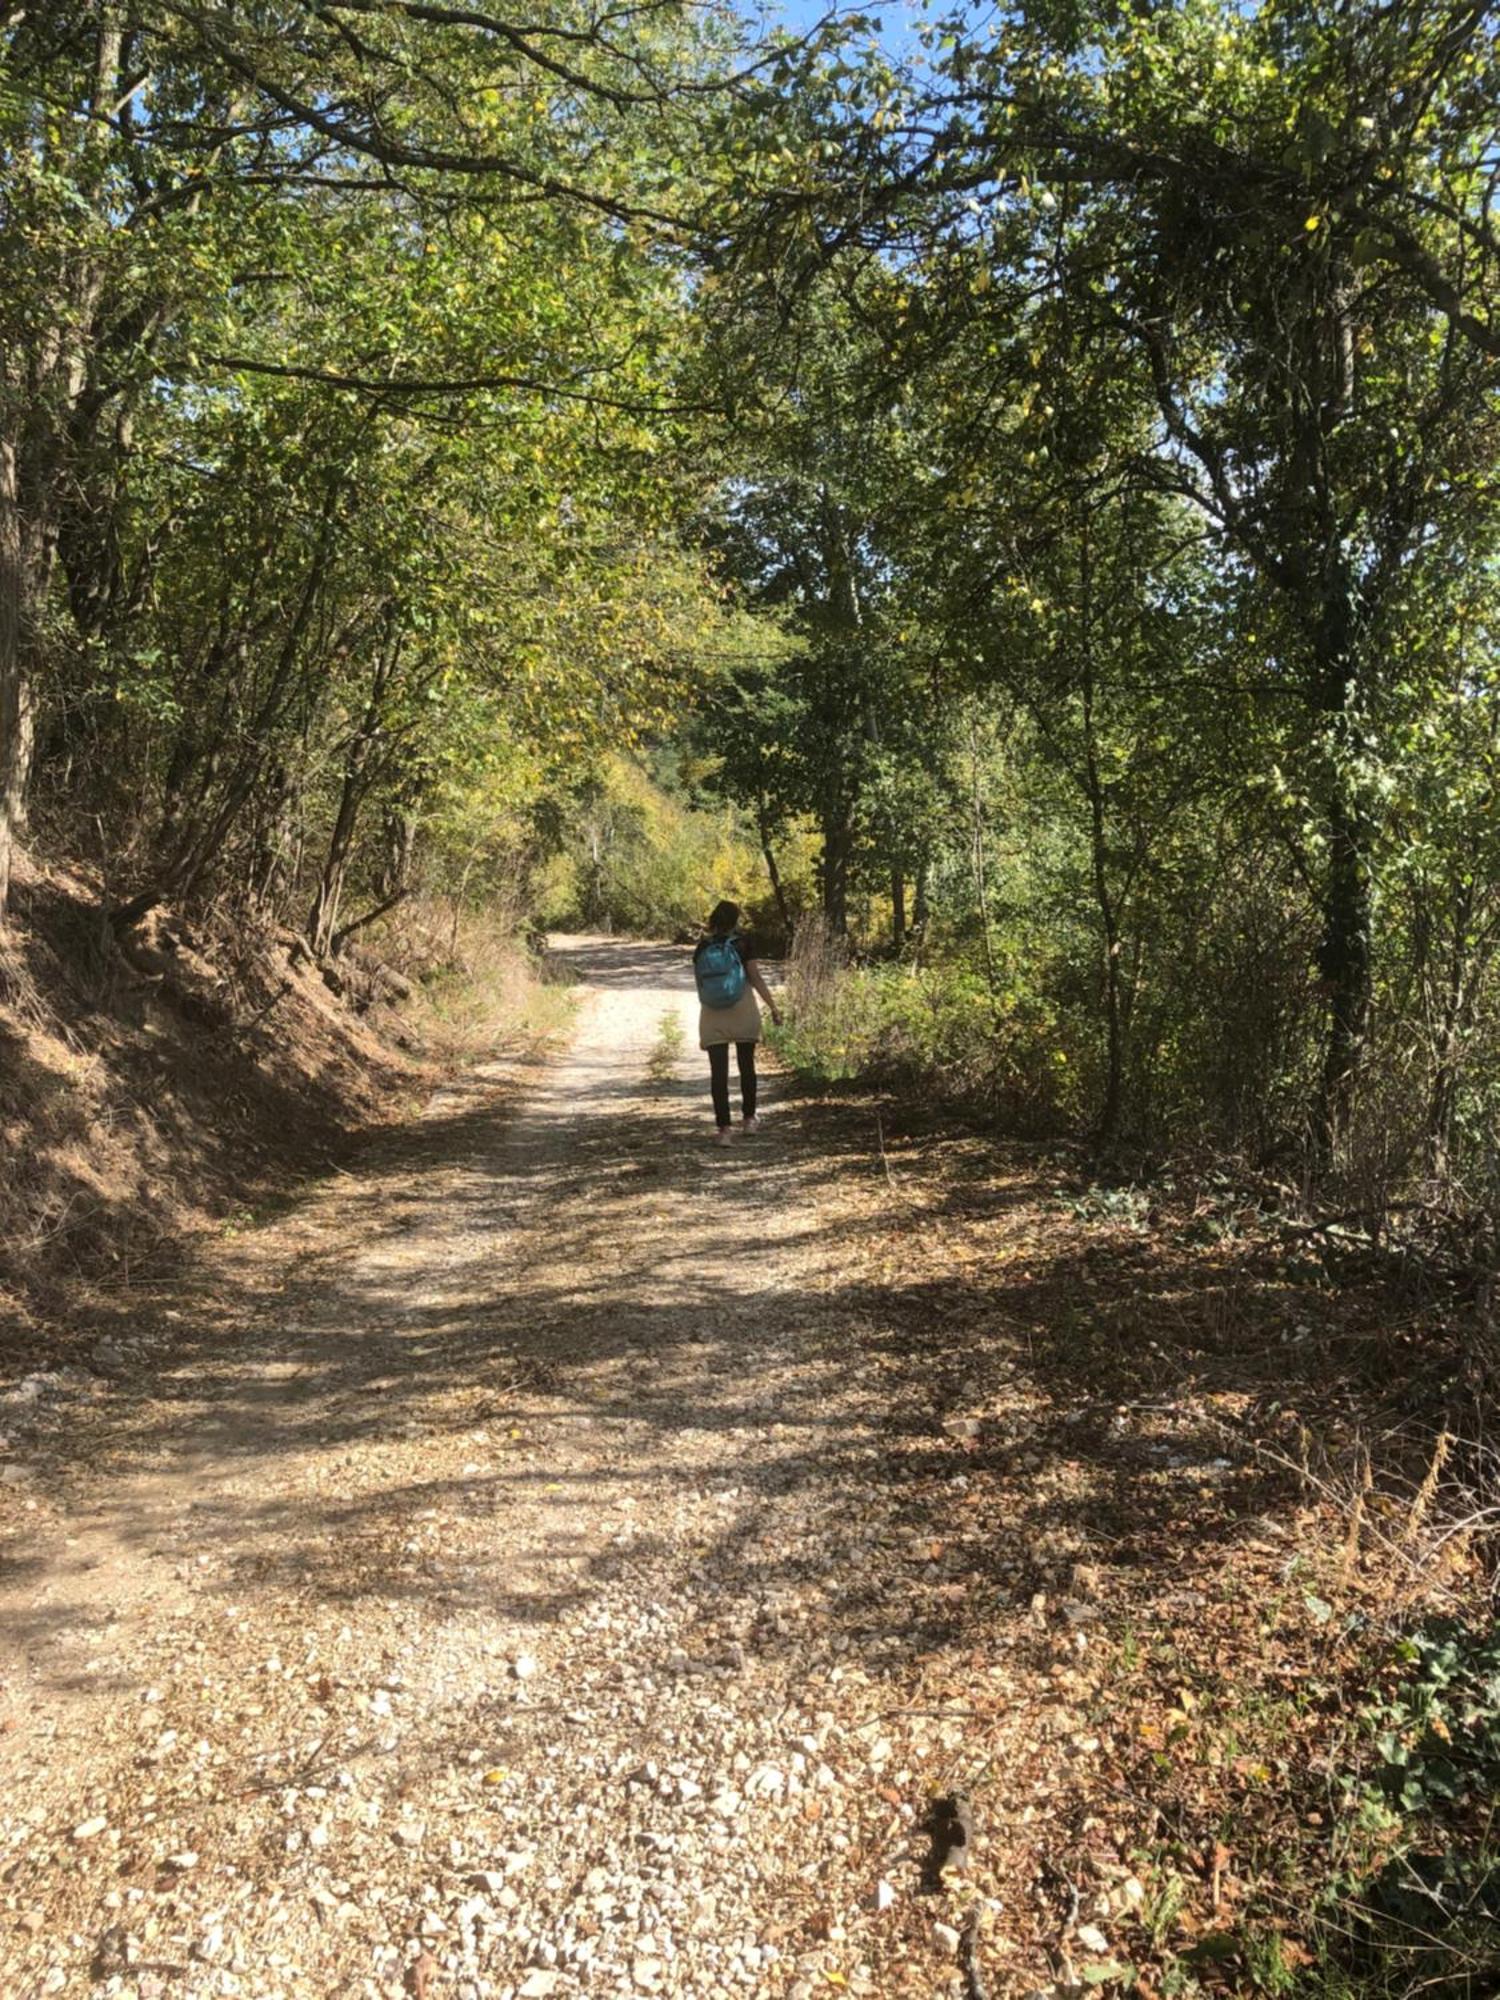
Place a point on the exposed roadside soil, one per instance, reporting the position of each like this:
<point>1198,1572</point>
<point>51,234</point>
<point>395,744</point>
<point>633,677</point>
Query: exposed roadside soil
<point>562,1557</point>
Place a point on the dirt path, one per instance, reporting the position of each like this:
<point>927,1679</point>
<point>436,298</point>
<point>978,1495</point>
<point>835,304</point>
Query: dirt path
<point>505,1594</point>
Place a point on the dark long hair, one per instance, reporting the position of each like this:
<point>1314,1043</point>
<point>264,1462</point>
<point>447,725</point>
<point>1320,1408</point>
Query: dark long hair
<point>723,920</point>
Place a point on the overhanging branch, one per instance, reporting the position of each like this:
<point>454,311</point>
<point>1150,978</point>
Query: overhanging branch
<point>386,385</point>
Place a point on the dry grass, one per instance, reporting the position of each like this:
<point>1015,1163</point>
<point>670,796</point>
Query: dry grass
<point>816,964</point>
<point>477,986</point>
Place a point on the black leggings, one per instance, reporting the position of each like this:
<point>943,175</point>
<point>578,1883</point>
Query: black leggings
<point>718,1078</point>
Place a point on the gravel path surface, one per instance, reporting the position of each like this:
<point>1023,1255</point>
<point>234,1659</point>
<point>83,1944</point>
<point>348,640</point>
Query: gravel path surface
<point>506,1593</point>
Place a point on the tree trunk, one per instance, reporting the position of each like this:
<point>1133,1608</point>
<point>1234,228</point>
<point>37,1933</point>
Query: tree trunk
<point>773,872</point>
<point>323,917</point>
<point>23,582</point>
<point>400,845</point>
<point>49,425</point>
<point>52,426</point>
<point>15,695</point>
<point>277,842</point>
<point>1344,960</point>
<point>342,936</point>
<point>919,899</point>
<point>898,909</point>
<point>1441,1103</point>
<point>1442,1097</point>
<point>200,841</point>
<point>1346,953</point>
<point>839,544</point>
<point>980,864</point>
<point>835,868</point>
<point>1114,1012</point>
<point>594,907</point>
<point>1109,915</point>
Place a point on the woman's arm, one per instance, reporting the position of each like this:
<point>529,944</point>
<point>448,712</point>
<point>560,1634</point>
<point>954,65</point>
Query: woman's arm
<point>758,982</point>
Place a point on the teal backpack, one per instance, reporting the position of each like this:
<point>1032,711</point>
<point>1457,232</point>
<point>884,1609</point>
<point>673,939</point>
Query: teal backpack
<point>720,972</point>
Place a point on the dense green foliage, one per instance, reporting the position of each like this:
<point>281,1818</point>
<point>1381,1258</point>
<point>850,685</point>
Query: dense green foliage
<point>340,468</point>
<point>1171,465</point>
<point>1032,498</point>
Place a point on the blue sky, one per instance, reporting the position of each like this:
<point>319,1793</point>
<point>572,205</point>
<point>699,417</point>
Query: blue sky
<point>897,19</point>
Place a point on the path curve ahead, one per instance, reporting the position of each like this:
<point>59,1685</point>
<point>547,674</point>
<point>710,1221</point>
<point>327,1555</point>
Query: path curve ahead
<point>483,1601</point>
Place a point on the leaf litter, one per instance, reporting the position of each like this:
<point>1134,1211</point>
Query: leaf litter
<point>540,1582</point>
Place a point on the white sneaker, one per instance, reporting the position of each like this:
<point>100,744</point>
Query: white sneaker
<point>750,1125</point>
<point>724,1136</point>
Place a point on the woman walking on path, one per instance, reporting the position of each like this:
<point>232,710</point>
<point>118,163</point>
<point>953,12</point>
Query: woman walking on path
<point>729,978</point>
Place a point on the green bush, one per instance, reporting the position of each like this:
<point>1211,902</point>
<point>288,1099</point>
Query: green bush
<point>936,1029</point>
<point>1426,1901</point>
